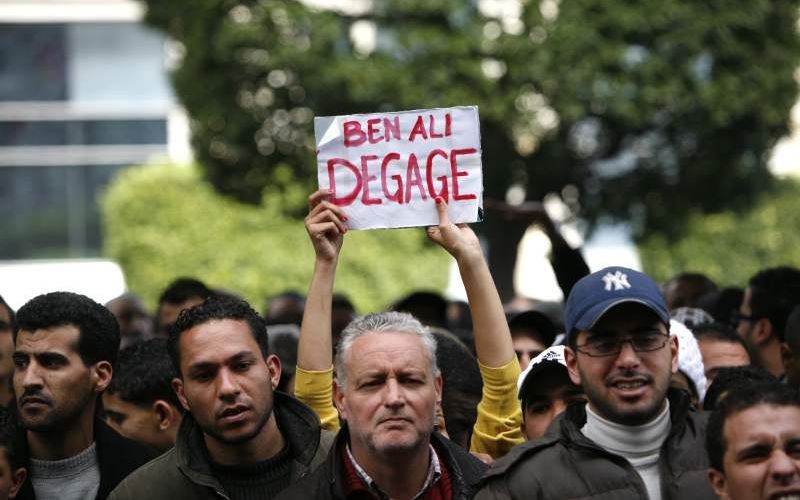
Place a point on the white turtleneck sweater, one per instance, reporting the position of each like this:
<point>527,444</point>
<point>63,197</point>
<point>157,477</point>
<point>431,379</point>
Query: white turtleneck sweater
<point>640,445</point>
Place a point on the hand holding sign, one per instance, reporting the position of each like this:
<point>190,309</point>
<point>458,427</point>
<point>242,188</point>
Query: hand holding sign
<point>325,224</point>
<point>387,168</point>
<point>457,239</point>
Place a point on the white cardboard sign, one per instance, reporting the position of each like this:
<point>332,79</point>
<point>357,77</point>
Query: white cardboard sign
<point>386,169</point>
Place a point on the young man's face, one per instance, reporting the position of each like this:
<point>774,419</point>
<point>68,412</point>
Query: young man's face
<point>526,348</point>
<point>139,422</point>
<point>630,387</point>
<point>762,454</point>
<point>390,394</point>
<point>719,353</point>
<point>53,386</point>
<point>225,381</point>
<point>10,479</point>
<point>554,391</point>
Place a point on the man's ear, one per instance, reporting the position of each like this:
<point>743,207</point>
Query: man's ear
<point>17,479</point>
<point>274,365</point>
<point>164,414</point>
<point>717,480</point>
<point>572,365</point>
<point>177,386</point>
<point>762,331</point>
<point>339,399</point>
<point>787,357</point>
<point>437,384</point>
<point>102,372</point>
<point>674,349</point>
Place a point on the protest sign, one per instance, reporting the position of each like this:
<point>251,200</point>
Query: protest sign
<point>386,169</point>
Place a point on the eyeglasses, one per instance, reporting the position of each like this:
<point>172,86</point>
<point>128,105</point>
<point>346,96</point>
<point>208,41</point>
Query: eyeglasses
<point>609,345</point>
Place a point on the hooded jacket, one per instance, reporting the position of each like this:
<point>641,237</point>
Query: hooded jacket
<point>183,473</point>
<point>565,464</point>
<point>327,482</point>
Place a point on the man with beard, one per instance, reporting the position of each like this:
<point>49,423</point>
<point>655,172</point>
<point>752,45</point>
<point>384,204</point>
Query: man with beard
<point>753,444</point>
<point>635,437</point>
<point>768,300</point>
<point>239,439</point>
<point>388,383</point>
<point>65,346</point>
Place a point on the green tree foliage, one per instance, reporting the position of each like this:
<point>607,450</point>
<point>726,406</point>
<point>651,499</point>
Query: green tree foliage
<point>731,247</point>
<point>163,222</point>
<point>641,110</point>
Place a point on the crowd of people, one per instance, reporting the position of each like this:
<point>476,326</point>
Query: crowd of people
<point>631,389</point>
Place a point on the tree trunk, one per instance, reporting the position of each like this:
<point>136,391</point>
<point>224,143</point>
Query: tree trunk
<point>503,239</point>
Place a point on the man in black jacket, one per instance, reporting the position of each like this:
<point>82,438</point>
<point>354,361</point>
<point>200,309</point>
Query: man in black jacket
<point>634,438</point>
<point>65,345</point>
<point>387,386</point>
<point>239,439</point>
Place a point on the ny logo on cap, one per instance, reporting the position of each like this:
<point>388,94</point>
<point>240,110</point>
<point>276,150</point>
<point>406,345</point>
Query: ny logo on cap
<point>618,280</point>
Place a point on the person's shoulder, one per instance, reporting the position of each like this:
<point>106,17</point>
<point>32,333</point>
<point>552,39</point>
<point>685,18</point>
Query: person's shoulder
<point>314,485</point>
<point>538,451</point>
<point>160,474</point>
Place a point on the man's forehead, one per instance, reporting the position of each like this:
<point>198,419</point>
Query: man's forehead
<point>762,421</point>
<point>373,350</point>
<point>217,340</point>
<point>63,338</point>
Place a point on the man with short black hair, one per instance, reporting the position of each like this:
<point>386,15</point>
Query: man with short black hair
<point>6,351</point>
<point>13,457</point>
<point>790,350</point>
<point>769,298</point>
<point>239,439</point>
<point>140,403</point>
<point>720,347</point>
<point>181,294</point>
<point>66,345</point>
<point>753,443</point>
<point>531,332</point>
<point>635,437</point>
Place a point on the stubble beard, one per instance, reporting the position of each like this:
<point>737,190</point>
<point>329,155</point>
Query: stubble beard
<point>60,417</point>
<point>631,416</point>
<point>219,436</point>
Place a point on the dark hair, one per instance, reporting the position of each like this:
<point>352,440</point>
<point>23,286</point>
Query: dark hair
<point>723,304</point>
<point>774,293</point>
<point>533,324</point>
<point>461,386</point>
<point>12,439</point>
<point>748,396</point>
<point>721,332</point>
<point>11,316</point>
<point>216,308</point>
<point>98,338</point>
<point>429,308</point>
<point>143,374</point>
<point>292,313</point>
<point>183,289</point>
<point>283,341</point>
<point>730,377</point>
<point>688,288</point>
<point>791,335</point>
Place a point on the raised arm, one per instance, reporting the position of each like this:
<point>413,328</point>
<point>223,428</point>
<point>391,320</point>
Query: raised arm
<point>325,224</point>
<point>492,338</point>
<point>497,428</point>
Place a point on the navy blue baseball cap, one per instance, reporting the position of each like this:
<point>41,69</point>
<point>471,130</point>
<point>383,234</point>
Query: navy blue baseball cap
<point>596,294</point>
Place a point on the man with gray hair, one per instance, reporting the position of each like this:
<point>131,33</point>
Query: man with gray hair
<point>387,383</point>
<point>387,386</point>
